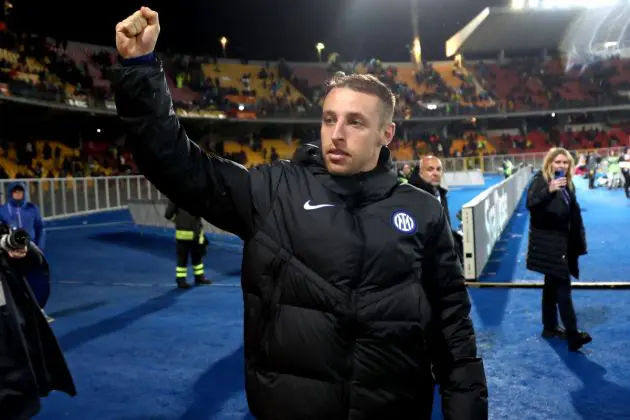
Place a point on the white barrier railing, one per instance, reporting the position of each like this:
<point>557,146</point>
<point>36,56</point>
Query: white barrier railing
<point>485,217</point>
<point>494,163</point>
<point>63,197</point>
<point>145,212</point>
<point>463,179</point>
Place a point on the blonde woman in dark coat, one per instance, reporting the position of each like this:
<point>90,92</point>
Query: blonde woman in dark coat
<point>556,241</point>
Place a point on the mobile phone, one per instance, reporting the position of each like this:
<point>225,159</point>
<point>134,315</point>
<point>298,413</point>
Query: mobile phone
<point>559,174</point>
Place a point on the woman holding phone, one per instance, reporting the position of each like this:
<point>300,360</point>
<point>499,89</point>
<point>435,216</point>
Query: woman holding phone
<point>556,240</point>
<point>625,170</point>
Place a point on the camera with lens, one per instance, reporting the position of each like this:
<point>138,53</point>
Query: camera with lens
<point>14,239</point>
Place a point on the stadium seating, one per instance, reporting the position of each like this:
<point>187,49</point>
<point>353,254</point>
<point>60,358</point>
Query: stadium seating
<point>445,69</point>
<point>231,75</point>
<point>315,75</point>
<point>82,54</point>
<point>406,75</point>
<point>516,85</point>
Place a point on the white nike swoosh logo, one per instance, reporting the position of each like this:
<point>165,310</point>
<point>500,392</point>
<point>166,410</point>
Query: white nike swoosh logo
<point>308,206</point>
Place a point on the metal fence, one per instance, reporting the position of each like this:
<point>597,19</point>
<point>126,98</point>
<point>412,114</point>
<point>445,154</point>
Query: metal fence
<point>63,197</point>
<point>494,163</point>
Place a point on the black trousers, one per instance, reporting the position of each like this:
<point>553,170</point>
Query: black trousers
<point>196,251</point>
<point>556,297</point>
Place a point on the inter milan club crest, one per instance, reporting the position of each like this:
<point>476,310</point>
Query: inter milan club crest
<point>403,222</point>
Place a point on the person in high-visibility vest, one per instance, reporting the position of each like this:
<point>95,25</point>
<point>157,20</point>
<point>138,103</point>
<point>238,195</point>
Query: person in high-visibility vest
<point>190,241</point>
<point>404,174</point>
<point>508,167</point>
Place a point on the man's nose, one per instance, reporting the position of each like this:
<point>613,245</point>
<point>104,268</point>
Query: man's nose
<point>339,131</point>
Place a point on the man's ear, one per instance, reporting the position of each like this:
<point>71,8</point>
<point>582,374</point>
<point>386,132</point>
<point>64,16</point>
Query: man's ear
<point>388,133</point>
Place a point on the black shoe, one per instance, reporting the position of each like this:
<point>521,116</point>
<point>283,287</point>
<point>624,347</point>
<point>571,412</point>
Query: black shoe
<point>578,340</point>
<point>555,332</point>
<point>199,281</point>
<point>182,284</point>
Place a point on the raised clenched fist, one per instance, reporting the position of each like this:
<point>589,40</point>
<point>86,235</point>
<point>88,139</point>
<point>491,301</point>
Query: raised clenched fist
<point>137,35</point>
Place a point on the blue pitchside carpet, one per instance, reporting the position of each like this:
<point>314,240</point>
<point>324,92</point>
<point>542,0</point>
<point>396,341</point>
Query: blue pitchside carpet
<point>140,349</point>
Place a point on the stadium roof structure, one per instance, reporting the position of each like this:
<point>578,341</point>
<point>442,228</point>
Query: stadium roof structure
<point>511,30</point>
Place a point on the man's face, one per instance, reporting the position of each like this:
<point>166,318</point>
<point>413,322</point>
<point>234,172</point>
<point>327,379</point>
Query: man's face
<point>406,169</point>
<point>17,194</point>
<point>432,171</point>
<point>353,131</point>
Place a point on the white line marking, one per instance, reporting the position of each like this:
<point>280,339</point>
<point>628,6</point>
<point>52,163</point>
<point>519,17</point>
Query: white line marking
<point>70,227</point>
<point>138,285</point>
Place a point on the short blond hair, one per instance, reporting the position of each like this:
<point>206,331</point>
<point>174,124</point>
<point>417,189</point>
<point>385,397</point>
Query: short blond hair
<point>369,84</point>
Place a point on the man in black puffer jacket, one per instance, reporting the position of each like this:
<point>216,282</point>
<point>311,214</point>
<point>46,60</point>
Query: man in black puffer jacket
<point>351,287</point>
<point>428,177</point>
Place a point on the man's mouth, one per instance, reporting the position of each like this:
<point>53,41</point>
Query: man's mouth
<point>337,153</point>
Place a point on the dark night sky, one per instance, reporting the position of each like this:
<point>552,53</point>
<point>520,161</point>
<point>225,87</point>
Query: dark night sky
<point>265,30</point>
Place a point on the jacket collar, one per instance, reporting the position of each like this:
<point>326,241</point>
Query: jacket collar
<point>419,182</point>
<point>356,190</point>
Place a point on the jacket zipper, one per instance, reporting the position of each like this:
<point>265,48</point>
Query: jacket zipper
<point>353,322</point>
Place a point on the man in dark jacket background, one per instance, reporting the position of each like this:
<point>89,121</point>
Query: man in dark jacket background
<point>428,177</point>
<point>190,241</point>
<point>352,289</point>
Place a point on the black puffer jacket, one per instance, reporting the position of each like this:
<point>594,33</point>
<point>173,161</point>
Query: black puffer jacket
<point>351,286</point>
<point>556,231</point>
<point>416,180</point>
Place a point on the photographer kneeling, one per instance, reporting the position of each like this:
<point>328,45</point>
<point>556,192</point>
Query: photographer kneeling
<point>31,362</point>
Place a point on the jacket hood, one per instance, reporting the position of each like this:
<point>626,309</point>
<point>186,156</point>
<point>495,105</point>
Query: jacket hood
<point>359,189</point>
<point>15,184</point>
<point>11,187</point>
